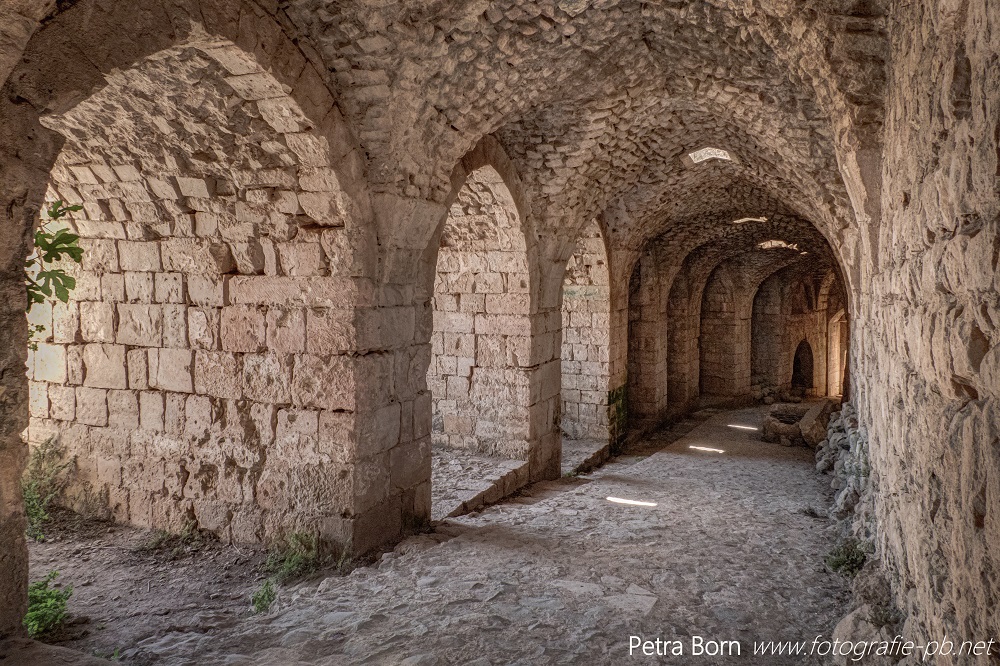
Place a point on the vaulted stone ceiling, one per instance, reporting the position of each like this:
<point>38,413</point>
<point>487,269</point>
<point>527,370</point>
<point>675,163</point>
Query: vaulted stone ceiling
<point>596,101</point>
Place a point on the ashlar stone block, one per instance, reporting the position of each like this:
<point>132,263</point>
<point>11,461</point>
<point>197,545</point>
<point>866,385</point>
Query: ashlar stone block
<point>171,370</point>
<point>91,406</point>
<point>97,321</point>
<point>123,410</point>
<point>48,363</point>
<point>286,330</point>
<point>62,402</point>
<point>141,256</point>
<point>267,378</point>
<point>243,328</point>
<point>324,382</point>
<point>140,325</point>
<point>105,366</point>
<point>217,374</point>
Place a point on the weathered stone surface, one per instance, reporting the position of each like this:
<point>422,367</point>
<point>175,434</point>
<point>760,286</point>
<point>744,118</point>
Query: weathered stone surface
<point>813,424</point>
<point>242,329</point>
<point>267,378</point>
<point>139,325</point>
<point>522,561</point>
<point>217,374</point>
<point>171,370</point>
<point>328,383</point>
<point>92,406</point>
<point>105,366</point>
<point>144,256</point>
<point>97,322</point>
<point>48,364</point>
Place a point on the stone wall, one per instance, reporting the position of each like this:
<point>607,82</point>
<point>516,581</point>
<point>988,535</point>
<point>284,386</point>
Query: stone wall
<point>683,328</point>
<point>197,374</point>
<point>479,374</point>
<point>926,342</point>
<point>888,154</point>
<point>647,356</point>
<point>725,334</point>
<point>586,339</point>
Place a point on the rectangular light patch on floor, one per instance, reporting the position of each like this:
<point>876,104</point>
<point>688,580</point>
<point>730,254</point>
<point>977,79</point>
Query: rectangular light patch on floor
<point>705,448</point>
<point>619,500</point>
<point>742,427</point>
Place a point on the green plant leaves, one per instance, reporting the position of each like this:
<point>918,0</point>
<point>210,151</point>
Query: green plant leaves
<point>263,597</point>
<point>52,246</point>
<point>44,283</point>
<point>56,209</point>
<point>46,606</point>
<point>48,283</point>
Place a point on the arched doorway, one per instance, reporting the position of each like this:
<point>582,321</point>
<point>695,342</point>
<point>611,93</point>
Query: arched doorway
<point>211,224</point>
<point>802,367</point>
<point>478,370</point>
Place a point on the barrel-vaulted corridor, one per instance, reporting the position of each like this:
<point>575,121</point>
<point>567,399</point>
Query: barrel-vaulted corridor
<point>334,255</point>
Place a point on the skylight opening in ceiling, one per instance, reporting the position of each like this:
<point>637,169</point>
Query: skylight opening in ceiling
<point>771,244</point>
<point>709,153</point>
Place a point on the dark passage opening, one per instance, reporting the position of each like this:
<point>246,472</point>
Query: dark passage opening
<point>802,366</point>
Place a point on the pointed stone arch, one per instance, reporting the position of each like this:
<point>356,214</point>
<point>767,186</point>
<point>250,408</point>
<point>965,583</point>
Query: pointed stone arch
<point>482,327</point>
<point>161,222</point>
<point>507,385</point>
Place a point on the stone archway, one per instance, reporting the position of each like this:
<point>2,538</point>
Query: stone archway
<point>482,302</point>
<point>216,230</point>
<point>179,374</point>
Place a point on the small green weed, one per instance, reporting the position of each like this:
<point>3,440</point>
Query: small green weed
<point>157,541</point>
<point>43,480</point>
<point>264,597</point>
<point>35,330</point>
<point>46,606</point>
<point>848,558</point>
<point>298,557</point>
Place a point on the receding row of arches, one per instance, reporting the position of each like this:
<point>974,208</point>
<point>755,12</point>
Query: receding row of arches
<point>759,318</point>
<point>261,343</point>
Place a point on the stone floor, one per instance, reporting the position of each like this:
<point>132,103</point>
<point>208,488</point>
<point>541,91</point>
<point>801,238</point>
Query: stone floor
<point>583,455</point>
<point>24,652</point>
<point>462,481</point>
<point>562,575</point>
